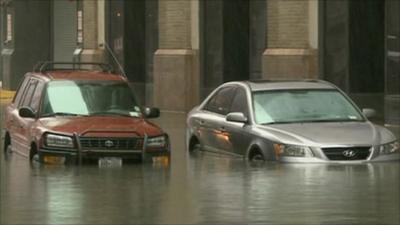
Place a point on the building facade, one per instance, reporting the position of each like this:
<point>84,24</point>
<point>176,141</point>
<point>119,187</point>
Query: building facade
<point>176,51</point>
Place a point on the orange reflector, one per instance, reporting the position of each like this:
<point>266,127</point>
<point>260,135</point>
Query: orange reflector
<point>163,160</point>
<point>278,150</point>
<point>53,159</point>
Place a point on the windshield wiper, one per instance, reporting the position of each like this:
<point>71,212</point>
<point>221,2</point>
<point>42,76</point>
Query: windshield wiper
<point>278,122</point>
<point>110,113</point>
<point>332,120</point>
<point>313,121</point>
<point>61,114</point>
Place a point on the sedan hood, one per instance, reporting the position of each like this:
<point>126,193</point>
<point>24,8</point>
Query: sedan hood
<point>329,134</point>
<point>101,126</point>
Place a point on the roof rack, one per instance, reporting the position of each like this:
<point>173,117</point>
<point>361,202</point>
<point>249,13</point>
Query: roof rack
<point>42,67</point>
<point>286,80</point>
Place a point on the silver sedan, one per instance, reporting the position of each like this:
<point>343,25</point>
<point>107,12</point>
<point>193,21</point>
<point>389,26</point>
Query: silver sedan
<point>288,121</point>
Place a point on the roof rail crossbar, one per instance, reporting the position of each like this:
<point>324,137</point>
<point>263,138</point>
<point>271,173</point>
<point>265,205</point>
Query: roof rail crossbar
<point>42,67</point>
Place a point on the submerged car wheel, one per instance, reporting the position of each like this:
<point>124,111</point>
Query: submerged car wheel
<point>7,144</point>
<point>34,154</point>
<point>194,145</point>
<point>256,156</point>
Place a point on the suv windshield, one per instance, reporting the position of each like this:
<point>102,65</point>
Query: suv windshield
<point>89,98</point>
<point>291,106</point>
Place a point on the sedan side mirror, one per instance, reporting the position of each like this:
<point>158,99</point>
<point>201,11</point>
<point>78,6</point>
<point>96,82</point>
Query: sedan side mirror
<point>237,117</point>
<point>369,113</point>
<point>151,112</point>
<point>26,112</point>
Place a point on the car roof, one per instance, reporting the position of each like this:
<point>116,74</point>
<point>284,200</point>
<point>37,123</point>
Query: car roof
<point>78,75</point>
<point>264,85</point>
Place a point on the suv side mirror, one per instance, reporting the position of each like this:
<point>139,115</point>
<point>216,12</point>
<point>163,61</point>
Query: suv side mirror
<point>369,113</point>
<point>26,112</point>
<point>151,112</point>
<point>237,117</point>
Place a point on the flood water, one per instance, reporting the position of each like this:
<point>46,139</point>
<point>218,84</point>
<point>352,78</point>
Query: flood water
<point>200,188</point>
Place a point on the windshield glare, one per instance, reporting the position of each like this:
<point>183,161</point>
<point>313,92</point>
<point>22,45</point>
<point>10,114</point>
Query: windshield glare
<point>302,106</point>
<point>88,98</point>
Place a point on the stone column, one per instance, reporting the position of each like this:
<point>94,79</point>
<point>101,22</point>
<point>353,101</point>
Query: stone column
<point>292,40</point>
<point>2,12</point>
<point>176,63</point>
<point>93,31</point>
<point>27,41</point>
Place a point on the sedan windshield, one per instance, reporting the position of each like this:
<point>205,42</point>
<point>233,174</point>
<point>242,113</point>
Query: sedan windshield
<point>292,106</point>
<point>84,98</point>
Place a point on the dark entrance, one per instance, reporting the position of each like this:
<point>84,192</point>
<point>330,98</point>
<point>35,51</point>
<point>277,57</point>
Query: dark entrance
<point>353,48</point>
<point>231,41</point>
<point>367,46</point>
<point>133,37</point>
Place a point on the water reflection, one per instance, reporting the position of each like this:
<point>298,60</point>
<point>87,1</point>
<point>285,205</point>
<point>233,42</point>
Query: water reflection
<point>297,193</point>
<point>199,188</point>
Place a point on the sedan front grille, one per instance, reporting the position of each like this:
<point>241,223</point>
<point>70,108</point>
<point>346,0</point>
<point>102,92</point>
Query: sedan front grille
<point>100,143</point>
<point>350,153</point>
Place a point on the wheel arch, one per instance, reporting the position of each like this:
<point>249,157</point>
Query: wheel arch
<point>264,147</point>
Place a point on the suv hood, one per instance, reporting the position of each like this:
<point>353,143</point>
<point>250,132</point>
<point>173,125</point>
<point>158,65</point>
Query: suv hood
<point>328,134</point>
<point>101,126</point>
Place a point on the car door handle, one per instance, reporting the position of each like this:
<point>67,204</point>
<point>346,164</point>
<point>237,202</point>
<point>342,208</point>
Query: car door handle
<point>202,122</point>
<point>222,129</point>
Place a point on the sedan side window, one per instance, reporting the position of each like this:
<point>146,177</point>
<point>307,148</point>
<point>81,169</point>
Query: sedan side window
<point>239,103</point>
<point>220,103</point>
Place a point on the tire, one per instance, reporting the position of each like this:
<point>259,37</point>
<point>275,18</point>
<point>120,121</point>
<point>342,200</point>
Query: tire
<point>34,155</point>
<point>194,145</point>
<point>7,144</point>
<point>256,156</point>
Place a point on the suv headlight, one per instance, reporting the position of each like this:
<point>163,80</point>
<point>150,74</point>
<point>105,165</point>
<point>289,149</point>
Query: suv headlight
<point>389,148</point>
<point>54,140</point>
<point>282,150</point>
<point>156,142</point>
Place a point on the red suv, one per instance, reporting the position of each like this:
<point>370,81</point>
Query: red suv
<point>73,114</point>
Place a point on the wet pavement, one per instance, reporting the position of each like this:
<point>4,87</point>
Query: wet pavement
<point>198,188</point>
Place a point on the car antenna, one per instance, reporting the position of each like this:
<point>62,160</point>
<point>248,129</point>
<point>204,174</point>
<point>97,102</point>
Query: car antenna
<point>114,58</point>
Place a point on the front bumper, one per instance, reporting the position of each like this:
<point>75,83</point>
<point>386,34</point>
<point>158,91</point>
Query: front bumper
<point>379,158</point>
<point>74,155</point>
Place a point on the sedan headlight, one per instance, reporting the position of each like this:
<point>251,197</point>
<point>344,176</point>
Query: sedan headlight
<point>282,150</point>
<point>53,140</point>
<point>159,141</point>
<point>389,148</point>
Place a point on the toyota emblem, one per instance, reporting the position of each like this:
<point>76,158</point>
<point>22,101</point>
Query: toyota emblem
<point>109,144</point>
<point>349,153</point>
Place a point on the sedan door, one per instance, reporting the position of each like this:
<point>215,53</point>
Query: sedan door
<point>213,119</point>
<point>237,134</point>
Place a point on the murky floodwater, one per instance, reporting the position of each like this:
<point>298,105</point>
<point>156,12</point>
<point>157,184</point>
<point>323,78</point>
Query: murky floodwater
<point>198,189</point>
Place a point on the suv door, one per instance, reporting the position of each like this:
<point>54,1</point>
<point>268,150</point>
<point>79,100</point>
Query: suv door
<point>12,112</point>
<point>214,118</point>
<point>23,126</point>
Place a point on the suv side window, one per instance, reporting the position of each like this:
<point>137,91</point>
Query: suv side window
<point>34,103</point>
<point>239,102</point>
<point>29,93</point>
<point>20,91</point>
<point>221,101</point>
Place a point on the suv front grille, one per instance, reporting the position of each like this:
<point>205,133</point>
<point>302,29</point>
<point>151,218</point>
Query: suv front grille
<point>111,143</point>
<point>350,153</point>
